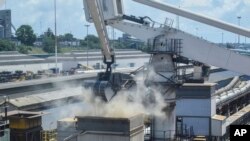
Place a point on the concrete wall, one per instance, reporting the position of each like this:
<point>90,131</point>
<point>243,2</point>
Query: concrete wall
<point>218,127</point>
<point>138,137</point>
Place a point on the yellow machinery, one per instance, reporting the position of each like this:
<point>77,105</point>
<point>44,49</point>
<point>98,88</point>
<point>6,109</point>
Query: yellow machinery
<point>49,135</point>
<point>25,126</point>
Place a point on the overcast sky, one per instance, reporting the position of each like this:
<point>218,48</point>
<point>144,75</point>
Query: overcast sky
<point>39,14</point>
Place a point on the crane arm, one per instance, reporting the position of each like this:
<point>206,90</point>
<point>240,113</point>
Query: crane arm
<point>206,52</point>
<point>93,11</point>
<point>196,17</point>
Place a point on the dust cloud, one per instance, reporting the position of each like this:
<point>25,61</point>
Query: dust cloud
<point>139,100</point>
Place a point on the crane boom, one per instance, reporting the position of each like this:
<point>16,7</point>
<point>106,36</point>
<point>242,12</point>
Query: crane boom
<point>163,41</point>
<point>96,16</point>
<point>196,17</point>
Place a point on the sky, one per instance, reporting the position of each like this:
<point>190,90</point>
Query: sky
<point>70,16</point>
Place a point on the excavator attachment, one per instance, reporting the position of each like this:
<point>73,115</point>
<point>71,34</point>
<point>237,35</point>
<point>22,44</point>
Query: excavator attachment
<point>107,88</point>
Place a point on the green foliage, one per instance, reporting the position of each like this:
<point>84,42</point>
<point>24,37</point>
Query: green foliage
<point>49,45</point>
<point>91,41</point>
<point>118,45</point>
<point>49,33</point>
<point>49,42</point>
<point>68,37</point>
<point>6,45</point>
<point>26,35</point>
<point>94,43</point>
<point>24,49</point>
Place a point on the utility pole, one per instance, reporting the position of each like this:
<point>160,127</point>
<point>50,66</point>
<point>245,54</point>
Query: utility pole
<point>87,26</point>
<point>239,18</point>
<point>56,61</point>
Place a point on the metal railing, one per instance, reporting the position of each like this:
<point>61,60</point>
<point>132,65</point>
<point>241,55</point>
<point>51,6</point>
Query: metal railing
<point>158,135</point>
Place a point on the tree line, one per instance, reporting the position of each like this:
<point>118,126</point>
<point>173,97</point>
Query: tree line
<point>26,36</point>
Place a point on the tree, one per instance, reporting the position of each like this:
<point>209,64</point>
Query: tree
<point>26,35</point>
<point>6,45</point>
<point>92,39</point>
<point>68,37</point>
<point>93,42</point>
<point>49,45</point>
<point>49,42</point>
<point>49,33</point>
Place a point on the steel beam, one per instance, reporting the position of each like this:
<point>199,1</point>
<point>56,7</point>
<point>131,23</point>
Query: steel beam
<point>196,17</point>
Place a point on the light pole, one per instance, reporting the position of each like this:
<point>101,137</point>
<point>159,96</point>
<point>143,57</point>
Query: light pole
<point>87,26</point>
<point>55,38</point>
<point>239,17</point>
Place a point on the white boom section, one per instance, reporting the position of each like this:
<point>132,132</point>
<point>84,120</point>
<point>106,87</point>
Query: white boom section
<point>139,31</point>
<point>209,53</point>
<point>192,47</point>
<point>196,17</point>
<point>96,16</point>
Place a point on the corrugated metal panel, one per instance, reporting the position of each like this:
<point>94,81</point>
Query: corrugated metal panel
<point>101,124</point>
<point>198,107</point>
<point>196,90</point>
